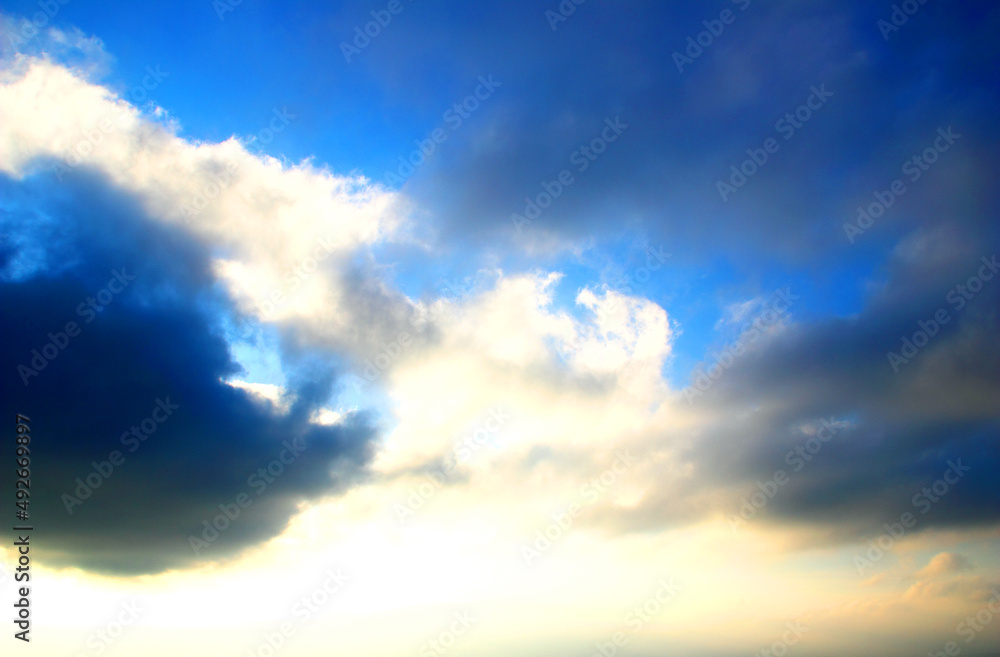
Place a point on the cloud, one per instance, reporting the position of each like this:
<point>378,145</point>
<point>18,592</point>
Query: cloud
<point>95,232</point>
<point>687,129</point>
<point>508,347</point>
<point>901,429</point>
<point>154,343</point>
<point>945,563</point>
<point>286,237</point>
<point>593,382</point>
<point>968,589</point>
<point>216,232</point>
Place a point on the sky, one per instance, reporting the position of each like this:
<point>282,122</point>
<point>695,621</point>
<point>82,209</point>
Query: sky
<point>417,327</point>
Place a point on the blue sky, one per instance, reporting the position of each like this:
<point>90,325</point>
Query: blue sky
<point>700,234</point>
<point>363,115</point>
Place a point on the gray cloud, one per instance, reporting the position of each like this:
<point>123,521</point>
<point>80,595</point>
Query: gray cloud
<point>157,344</point>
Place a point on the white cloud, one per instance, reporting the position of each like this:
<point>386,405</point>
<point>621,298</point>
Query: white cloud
<point>274,224</point>
<point>284,234</point>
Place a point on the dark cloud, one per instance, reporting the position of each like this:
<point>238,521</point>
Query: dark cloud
<point>158,343</point>
<point>896,432</point>
<point>687,129</point>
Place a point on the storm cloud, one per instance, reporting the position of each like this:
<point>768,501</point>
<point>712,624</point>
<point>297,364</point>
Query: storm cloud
<point>123,327</point>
